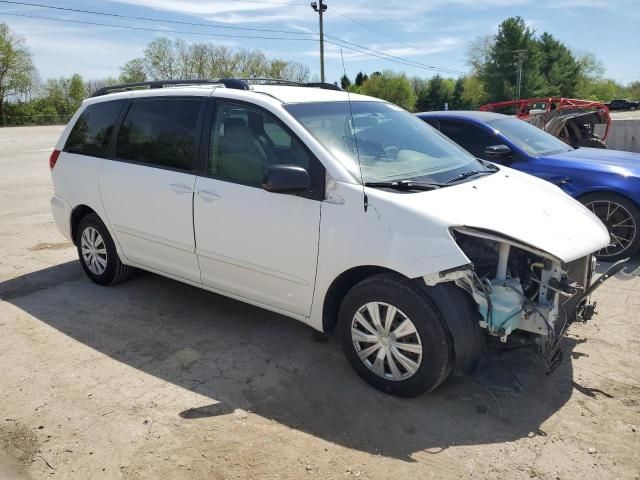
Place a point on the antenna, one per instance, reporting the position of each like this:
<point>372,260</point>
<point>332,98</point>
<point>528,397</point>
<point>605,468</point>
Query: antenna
<point>355,138</point>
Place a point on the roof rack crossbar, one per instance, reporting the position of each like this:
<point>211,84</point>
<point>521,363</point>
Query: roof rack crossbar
<point>234,83</point>
<point>280,81</point>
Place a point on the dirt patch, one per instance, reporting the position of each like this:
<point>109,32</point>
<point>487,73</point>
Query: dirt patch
<point>51,246</point>
<point>18,449</point>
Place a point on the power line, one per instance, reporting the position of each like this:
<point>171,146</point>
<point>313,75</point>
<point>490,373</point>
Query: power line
<point>381,32</point>
<point>343,43</point>
<point>149,19</point>
<point>401,62</point>
<point>416,64</point>
<point>129,27</point>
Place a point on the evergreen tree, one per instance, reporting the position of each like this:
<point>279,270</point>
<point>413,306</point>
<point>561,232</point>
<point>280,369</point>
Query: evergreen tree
<point>457,100</point>
<point>345,82</point>
<point>558,66</point>
<point>360,79</point>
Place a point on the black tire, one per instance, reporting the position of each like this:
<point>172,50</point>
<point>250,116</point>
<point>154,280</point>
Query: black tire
<point>592,142</point>
<point>115,271</point>
<point>437,357</point>
<point>611,255</point>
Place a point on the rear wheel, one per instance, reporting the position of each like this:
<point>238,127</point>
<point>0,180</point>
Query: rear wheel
<point>97,252</point>
<point>393,336</point>
<point>621,217</point>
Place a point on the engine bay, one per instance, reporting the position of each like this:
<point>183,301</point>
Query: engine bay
<point>524,296</point>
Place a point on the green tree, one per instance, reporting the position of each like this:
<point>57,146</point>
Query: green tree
<point>602,90</point>
<point>560,69</point>
<point>345,82</point>
<point>133,71</point>
<point>457,97</point>
<point>474,94</point>
<point>17,73</point>
<point>166,59</point>
<point>494,60</point>
<point>391,86</point>
<point>438,92</point>
<point>633,90</point>
<point>360,79</point>
<point>76,92</point>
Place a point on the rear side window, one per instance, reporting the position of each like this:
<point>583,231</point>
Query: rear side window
<point>471,137</point>
<point>432,121</point>
<point>161,132</point>
<point>92,132</point>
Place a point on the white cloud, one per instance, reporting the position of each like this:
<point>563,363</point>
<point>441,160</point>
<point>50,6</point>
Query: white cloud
<point>407,52</point>
<point>226,11</point>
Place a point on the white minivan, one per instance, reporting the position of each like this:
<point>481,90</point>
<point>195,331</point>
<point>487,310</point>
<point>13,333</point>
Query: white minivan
<point>340,210</point>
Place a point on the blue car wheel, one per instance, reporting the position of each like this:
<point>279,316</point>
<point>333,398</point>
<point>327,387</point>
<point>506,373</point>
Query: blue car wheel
<point>621,218</point>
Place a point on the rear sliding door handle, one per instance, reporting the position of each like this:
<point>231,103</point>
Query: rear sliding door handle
<point>208,196</point>
<point>180,189</point>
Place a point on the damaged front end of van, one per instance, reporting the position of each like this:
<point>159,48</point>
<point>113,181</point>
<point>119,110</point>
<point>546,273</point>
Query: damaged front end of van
<point>525,295</point>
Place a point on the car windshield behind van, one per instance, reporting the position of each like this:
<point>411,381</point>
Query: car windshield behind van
<point>531,139</point>
<point>385,141</point>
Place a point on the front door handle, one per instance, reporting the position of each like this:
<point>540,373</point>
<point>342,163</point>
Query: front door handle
<point>208,196</point>
<point>180,189</point>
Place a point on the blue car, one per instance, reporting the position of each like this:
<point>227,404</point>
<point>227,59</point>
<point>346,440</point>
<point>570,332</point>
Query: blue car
<point>605,181</point>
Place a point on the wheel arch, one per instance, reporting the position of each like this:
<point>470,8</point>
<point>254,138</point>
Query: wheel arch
<point>608,191</point>
<point>339,288</point>
<point>77,214</point>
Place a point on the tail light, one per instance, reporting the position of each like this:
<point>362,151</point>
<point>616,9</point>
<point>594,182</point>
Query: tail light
<point>53,158</point>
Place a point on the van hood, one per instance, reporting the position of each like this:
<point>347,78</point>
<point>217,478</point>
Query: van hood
<point>519,206</point>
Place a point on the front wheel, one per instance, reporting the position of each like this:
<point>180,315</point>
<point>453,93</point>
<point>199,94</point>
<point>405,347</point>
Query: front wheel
<point>393,336</point>
<point>621,217</point>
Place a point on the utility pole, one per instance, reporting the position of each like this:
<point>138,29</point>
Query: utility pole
<point>320,7</point>
<point>520,56</point>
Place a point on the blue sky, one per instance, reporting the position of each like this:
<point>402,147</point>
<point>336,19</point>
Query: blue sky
<point>430,32</point>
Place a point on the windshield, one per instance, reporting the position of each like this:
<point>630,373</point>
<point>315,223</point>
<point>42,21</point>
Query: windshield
<point>387,142</point>
<point>531,139</point>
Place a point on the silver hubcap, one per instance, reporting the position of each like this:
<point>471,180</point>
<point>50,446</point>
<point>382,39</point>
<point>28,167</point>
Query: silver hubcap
<point>386,341</point>
<point>94,251</point>
<point>619,222</point>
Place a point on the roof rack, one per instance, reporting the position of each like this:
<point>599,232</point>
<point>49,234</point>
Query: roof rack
<point>123,87</point>
<point>278,81</point>
<point>235,83</point>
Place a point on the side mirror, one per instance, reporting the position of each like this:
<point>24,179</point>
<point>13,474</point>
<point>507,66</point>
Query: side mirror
<point>286,179</point>
<point>498,152</point>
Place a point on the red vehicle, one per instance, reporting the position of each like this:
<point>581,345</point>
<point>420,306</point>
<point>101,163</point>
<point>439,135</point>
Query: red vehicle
<point>580,123</point>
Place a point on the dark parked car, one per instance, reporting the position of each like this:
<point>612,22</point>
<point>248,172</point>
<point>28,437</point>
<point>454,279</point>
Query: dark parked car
<point>623,105</point>
<point>605,181</point>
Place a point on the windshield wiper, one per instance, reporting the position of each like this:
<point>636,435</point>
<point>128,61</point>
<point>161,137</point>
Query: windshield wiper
<point>468,174</point>
<point>404,185</point>
<point>488,165</point>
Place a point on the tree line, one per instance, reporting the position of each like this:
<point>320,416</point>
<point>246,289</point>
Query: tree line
<point>547,68</point>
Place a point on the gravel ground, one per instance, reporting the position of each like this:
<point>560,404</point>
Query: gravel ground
<point>155,379</point>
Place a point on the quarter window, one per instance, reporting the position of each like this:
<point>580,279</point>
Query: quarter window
<point>92,132</point>
<point>161,132</point>
<point>244,141</point>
